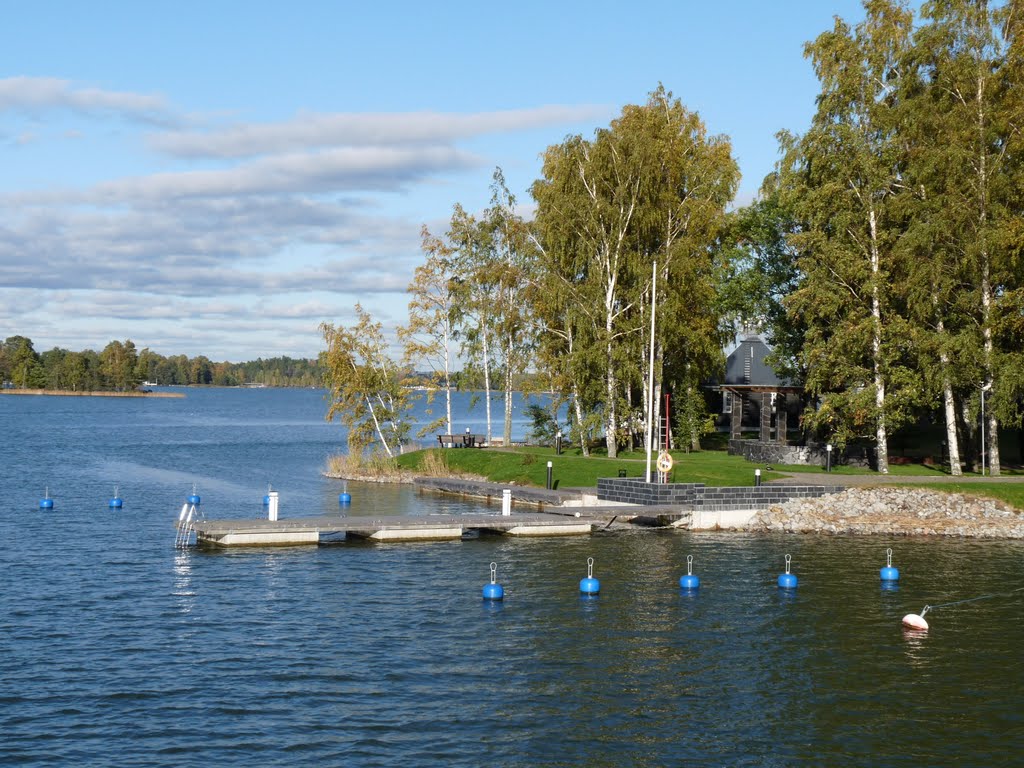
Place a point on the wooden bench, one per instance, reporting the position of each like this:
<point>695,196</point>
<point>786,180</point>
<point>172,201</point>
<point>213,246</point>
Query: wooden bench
<point>461,441</point>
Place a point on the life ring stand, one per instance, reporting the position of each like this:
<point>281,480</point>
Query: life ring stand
<point>665,462</point>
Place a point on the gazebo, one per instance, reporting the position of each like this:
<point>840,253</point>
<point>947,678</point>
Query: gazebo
<point>752,391</point>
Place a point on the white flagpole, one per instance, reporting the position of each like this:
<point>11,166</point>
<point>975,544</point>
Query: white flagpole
<point>650,374</point>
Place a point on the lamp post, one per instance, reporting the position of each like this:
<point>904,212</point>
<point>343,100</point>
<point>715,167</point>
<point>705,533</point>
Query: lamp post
<point>828,457</point>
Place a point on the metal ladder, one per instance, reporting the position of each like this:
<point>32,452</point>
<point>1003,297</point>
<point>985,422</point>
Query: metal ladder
<point>186,526</point>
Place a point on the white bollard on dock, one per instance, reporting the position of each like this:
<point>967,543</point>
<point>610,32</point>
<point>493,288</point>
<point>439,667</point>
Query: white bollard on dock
<point>506,502</point>
<point>272,506</point>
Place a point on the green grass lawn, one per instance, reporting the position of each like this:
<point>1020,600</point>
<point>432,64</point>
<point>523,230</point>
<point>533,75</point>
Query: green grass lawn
<point>1011,493</point>
<point>528,466</point>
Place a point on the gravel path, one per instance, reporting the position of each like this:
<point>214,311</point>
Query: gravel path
<point>833,478</point>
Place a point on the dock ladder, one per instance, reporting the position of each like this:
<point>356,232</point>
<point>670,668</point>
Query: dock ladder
<point>186,526</point>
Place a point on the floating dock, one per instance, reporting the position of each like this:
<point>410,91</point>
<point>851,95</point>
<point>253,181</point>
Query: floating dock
<point>329,528</point>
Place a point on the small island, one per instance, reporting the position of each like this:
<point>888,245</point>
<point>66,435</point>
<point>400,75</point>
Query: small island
<point>98,393</point>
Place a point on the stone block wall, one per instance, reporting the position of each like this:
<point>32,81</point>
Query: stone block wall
<point>776,453</point>
<point>697,496</point>
<point>634,490</point>
<point>758,452</point>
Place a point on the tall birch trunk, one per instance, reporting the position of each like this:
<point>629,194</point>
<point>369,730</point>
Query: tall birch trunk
<point>881,434</point>
<point>952,441</point>
<point>628,394</point>
<point>487,382</point>
<point>969,426</point>
<point>992,425</point>
<point>610,429</point>
<point>578,407</point>
<point>447,377</point>
<point>992,441</point>
<point>948,401</point>
<point>376,426</point>
<point>508,391</point>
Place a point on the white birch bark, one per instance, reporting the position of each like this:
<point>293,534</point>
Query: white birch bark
<point>881,434</point>
<point>992,442</point>
<point>949,404</point>
<point>487,381</point>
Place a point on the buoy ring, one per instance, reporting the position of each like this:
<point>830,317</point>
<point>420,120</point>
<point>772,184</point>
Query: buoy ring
<point>665,461</point>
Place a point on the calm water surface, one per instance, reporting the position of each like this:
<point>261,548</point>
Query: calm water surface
<point>116,649</point>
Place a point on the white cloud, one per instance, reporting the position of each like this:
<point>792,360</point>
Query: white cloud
<point>328,130</point>
<point>247,237</point>
<point>333,170</point>
<point>38,94</point>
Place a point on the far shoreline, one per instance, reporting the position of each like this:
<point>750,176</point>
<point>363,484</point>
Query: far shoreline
<point>74,393</point>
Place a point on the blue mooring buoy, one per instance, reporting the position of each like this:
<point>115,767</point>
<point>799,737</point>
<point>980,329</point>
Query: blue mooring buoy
<point>590,585</point>
<point>494,591</point>
<point>116,502</point>
<point>194,499</point>
<point>889,573</point>
<point>788,580</point>
<point>344,499</point>
<point>689,581</point>
<point>46,502</point>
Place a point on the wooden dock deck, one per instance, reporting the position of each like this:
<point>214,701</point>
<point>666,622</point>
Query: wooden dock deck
<point>394,528</point>
<point>313,530</point>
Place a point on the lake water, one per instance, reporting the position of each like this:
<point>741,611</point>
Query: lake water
<point>117,649</point>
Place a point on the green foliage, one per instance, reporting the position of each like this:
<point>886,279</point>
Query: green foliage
<point>431,330</point>
<point>366,386</point>
<point>120,367</point>
<point>544,426</point>
<point>652,187</point>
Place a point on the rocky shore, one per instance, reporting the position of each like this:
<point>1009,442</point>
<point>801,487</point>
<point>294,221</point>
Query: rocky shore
<point>888,510</point>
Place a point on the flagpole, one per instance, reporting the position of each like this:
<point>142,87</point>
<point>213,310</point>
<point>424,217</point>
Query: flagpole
<point>650,374</point>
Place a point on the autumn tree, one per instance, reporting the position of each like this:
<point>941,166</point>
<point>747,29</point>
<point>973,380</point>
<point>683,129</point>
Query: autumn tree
<point>118,362</point>
<point>841,179</point>
<point>431,330</point>
<point>365,385</point>
<point>964,125</point>
<point>20,363</point>
<point>509,260</point>
<point>476,288</point>
<point>651,187</point>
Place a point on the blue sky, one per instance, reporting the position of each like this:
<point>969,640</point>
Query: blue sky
<point>219,178</point>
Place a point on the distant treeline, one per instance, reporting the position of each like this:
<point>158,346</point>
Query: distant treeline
<point>119,366</point>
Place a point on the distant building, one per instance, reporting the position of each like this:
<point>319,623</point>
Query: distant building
<point>753,396</point>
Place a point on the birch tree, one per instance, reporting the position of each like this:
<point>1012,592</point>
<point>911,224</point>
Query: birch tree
<point>475,286</point>
<point>509,263</point>
<point>365,385</point>
<point>969,107</point>
<point>587,200</point>
<point>651,187</point>
<point>842,178</point>
<point>431,330</point>
<point>689,178</point>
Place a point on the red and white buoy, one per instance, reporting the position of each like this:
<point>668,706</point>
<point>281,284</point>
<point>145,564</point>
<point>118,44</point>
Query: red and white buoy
<point>913,621</point>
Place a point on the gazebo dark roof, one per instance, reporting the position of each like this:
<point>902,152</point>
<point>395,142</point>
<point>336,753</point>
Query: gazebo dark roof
<point>746,367</point>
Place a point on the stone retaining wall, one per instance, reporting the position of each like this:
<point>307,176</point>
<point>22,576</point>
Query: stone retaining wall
<point>901,511</point>
<point>697,496</point>
<point>815,455</point>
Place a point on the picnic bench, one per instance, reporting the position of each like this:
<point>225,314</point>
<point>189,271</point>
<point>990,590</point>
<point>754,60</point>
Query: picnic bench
<point>461,441</point>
